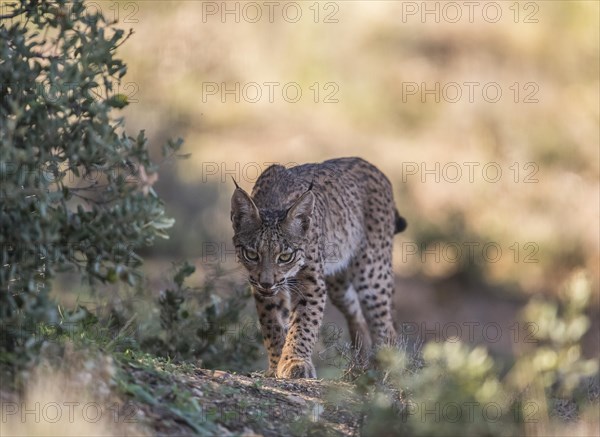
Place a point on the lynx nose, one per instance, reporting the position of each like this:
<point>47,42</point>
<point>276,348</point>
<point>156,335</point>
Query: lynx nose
<point>266,285</point>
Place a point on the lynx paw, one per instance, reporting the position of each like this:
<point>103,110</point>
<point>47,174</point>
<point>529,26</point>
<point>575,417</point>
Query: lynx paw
<point>295,368</point>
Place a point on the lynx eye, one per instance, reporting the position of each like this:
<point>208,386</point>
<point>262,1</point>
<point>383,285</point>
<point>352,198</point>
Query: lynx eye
<point>249,254</point>
<point>285,257</point>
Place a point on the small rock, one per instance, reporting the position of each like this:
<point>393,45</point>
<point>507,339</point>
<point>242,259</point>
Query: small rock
<point>220,374</point>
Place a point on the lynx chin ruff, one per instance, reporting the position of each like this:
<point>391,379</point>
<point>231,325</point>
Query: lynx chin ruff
<point>311,231</point>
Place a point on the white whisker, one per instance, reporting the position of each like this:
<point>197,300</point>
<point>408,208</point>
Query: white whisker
<point>292,285</point>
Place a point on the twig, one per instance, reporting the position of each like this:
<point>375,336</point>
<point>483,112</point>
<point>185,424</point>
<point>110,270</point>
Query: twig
<point>13,15</point>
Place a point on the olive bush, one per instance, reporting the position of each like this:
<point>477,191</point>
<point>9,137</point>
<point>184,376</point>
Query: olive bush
<point>75,190</point>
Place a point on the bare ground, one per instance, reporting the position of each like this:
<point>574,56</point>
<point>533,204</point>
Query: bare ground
<point>232,404</point>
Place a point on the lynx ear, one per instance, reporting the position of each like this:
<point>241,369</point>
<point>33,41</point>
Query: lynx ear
<point>244,212</point>
<point>298,217</point>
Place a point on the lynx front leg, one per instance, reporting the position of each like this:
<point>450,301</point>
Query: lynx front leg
<point>273,314</point>
<point>308,304</point>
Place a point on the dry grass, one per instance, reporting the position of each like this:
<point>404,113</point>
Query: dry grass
<point>77,399</point>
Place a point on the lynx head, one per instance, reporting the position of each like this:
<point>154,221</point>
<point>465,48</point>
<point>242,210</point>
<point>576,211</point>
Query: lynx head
<point>271,243</point>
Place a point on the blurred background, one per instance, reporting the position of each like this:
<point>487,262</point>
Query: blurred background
<point>485,118</point>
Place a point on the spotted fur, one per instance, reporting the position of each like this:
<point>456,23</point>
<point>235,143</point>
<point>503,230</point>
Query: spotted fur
<point>310,231</point>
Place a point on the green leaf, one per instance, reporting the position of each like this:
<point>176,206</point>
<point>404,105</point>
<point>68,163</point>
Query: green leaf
<point>111,276</point>
<point>117,101</point>
<point>163,223</point>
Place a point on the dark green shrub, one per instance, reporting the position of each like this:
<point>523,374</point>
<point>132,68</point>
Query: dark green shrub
<point>200,323</point>
<point>76,190</point>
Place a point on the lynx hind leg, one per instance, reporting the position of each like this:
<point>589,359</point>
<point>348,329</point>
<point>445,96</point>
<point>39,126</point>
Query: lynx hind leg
<point>344,297</point>
<point>374,282</point>
<point>373,276</point>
